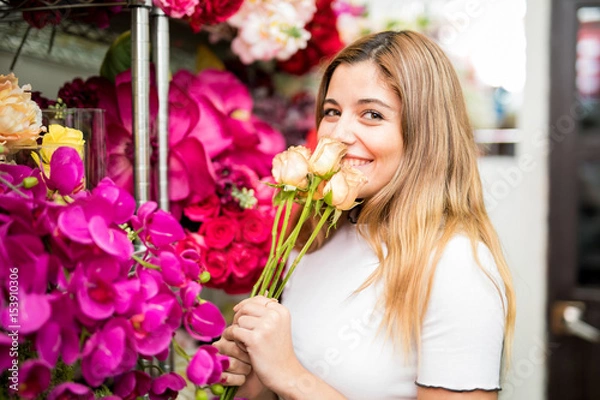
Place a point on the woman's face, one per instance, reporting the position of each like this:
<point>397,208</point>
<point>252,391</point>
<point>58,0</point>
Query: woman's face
<point>362,112</point>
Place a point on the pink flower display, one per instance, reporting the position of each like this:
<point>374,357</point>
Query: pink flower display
<point>85,298</point>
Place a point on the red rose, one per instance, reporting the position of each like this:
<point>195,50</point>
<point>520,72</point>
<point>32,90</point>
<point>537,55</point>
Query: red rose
<point>213,12</point>
<point>215,262</point>
<point>206,209</point>
<point>255,227</point>
<point>218,232</point>
<point>242,260</point>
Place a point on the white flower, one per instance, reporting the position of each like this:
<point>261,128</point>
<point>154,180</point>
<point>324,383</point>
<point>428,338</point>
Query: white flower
<point>269,29</point>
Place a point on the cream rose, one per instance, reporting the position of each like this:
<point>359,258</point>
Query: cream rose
<point>20,117</point>
<point>343,188</point>
<point>326,158</point>
<point>290,167</point>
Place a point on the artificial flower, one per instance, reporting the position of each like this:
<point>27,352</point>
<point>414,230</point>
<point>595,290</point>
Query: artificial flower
<point>20,117</point>
<point>59,135</point>
<point>71,391</point>
<point>34,378</point>
<point>166,387</point>
<point>207,365</point>
<point>324,41</point>
<point>212,12</point>
<point>269,29</point>
<point>132,384</point>
<point>177,8</point>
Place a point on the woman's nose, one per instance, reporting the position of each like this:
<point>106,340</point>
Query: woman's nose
<point>344,132</point>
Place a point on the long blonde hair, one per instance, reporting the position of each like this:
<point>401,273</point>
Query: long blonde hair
<point>435,193</point>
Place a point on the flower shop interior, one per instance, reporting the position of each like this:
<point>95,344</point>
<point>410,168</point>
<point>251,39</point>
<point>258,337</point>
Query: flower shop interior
<point>229,96</point>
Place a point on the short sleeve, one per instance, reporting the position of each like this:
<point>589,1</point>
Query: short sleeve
<point>463,329</point>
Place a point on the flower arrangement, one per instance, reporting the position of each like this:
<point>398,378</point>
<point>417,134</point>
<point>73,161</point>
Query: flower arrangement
<point>323,187</point>
<point>231,228</point>
<point>92,290</point>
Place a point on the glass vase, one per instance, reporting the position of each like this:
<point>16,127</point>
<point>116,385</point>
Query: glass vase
<point>90,121</point>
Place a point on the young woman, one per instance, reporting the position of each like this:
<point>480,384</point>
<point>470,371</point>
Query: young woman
<point>413,298</point>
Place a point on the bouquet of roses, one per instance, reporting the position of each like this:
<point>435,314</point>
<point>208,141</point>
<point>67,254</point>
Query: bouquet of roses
<point>323,187</point>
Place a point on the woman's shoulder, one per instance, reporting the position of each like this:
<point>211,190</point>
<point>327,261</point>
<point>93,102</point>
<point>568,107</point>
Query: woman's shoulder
<point>463,258</point>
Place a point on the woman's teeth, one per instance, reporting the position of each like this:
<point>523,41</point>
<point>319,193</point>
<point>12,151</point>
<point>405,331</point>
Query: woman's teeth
<point>353,162</point>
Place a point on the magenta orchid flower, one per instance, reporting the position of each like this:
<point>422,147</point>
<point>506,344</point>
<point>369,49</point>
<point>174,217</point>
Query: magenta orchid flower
<point>156,227</point>
<point>60,335</point>
<point>108,352</point>
<point>204,322</point>
<point>71,391</point>
<point>66,171</point>
<point>132,384</point>
<point>206,366</point>
<point>166,386</point>
<point>34,378</point>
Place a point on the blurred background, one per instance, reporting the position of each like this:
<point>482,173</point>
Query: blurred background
<point>531,76</point>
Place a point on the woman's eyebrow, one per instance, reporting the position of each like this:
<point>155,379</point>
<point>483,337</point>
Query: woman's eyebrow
<point>376,101</point>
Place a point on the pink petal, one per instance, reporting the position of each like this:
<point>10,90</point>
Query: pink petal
<point>112,241</point>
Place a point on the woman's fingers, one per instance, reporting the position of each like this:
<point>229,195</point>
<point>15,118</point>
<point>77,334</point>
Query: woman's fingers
<point>228,347</point>
<point>239,367</point>
<point>229,379</point>
<point>258,300</point>
<point>257,308</point>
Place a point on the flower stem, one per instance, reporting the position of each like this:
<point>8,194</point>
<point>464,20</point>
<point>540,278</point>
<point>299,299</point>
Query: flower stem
<point>306,213</point>
<point>179,350</point>
<point>265,270</point>
<point>145,263</point>
<point>13,187</point>
<point>305,248</point>
<point>273,260</point>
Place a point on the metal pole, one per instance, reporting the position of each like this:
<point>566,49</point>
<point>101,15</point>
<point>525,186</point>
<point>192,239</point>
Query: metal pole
<point>140,79</point>
<point>160,57</point>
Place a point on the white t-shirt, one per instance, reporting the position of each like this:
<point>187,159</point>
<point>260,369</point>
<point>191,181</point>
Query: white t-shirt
<point>335,333</point>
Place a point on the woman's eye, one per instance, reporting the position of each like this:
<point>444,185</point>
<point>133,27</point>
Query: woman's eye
<point>330,112</point>
<point>373,115</point>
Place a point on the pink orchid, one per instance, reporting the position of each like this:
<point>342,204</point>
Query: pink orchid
<point>235,134</point>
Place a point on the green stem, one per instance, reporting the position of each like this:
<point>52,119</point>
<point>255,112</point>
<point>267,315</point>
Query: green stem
<point>272,261</point>
<point>179,350</point>
<point>305,248</point>
<point>265,270</point>
<point>13,187</point>
<point>145,263</point>
<point>306,212</point>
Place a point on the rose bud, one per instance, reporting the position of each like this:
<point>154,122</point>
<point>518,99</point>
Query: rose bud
<point>343,187</point>
<point>325,161</point>
<point>290,167</point>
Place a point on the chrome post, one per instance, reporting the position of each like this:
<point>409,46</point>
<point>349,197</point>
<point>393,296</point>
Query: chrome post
<point>140,80</point>
<point>160,57</point>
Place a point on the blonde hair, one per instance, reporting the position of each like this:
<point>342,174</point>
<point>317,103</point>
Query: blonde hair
<point>436,191</point>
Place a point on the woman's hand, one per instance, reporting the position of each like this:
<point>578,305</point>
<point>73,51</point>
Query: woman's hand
<point>262,327</point>
<point>239,372</point>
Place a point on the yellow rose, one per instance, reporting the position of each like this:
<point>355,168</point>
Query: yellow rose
<point>20,117</point>
<point>60,136</point>
<point>325,161</point>
<point>343,188</point>
<point>290,167</point>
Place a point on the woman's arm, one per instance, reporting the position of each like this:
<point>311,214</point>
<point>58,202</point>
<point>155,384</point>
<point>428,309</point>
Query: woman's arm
<point>442,394</point>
